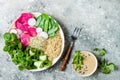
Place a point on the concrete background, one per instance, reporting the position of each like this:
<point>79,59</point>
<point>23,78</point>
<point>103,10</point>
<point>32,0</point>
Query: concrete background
<point>100,20</point>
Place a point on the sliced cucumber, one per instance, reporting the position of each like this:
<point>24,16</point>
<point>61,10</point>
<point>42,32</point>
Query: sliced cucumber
<point>31,53</point>
<point>43,57</point>
<point>37,63</point>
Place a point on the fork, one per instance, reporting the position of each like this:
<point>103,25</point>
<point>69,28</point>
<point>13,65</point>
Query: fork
<point>74,36</point>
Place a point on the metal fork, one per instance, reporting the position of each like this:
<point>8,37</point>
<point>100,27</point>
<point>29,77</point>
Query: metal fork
<point>74,36</point>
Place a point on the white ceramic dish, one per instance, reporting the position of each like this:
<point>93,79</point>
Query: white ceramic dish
<point>95,67</point>
<point>36,14</point>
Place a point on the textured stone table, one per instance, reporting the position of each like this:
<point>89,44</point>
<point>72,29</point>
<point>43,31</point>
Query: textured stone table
<point>100,20</point>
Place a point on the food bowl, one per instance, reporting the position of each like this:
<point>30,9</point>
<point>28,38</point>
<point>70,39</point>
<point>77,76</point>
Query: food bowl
<point>36,14</point>
<point>89,66</point>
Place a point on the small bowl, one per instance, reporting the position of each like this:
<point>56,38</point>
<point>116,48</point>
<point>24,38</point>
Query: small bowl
<point>87,60</point>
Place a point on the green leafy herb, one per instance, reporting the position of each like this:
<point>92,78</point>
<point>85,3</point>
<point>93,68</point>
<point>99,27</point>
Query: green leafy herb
<point>102,52</point>
<point>96,49</point>
<point>24,58</point>
<point>7,36</point>
<point>78,60</point>
<point>106,68</point>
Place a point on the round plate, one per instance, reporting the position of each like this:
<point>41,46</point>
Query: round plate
<point>36,14</point>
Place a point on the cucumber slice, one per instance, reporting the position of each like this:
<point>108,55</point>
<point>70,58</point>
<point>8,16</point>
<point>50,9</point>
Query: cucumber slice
<point>43,57</point>
<point>37,63</point>
<point>31,53</point>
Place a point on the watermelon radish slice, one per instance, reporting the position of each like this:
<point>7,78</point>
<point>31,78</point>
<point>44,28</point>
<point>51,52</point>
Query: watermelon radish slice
<point>13,30</point>
<point>31,22</point>
<point>39,30</point>
<point>19,32</point>
<point>32,31</point>
<point>44,35</point>
<point>24,39</point>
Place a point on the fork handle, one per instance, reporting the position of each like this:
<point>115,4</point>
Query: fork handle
<point>63,66</point>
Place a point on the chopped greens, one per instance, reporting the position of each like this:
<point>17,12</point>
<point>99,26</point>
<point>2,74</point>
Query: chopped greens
<point>106,67</point>
<point>78,60</point>
<point>48,24</point>
<point>25,58</point>
<point>102,52</point>
<point>96,49</point>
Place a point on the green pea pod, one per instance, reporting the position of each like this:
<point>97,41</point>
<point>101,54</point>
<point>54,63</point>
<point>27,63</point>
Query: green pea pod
<point>46,27</point>
<point>56,24</point>
<point>53,30</point>
<point>52,21</point>
<point>42,23</point>
<point>39,19</point>
<point>50,25</point>
<point>52,35</point>
<point>45,16</point>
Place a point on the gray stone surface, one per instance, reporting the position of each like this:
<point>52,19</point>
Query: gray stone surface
<point>100,20</point>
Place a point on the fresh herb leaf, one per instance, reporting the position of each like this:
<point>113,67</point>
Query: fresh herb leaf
<point>6,48</point>
<point>20,45</point>
<point>78,60</point>
<point>7,36</point>
<point>106,68</point>
<point>21,67</point>
<point>96,49</point>
<point>13,37</point>
<point>111,66</point>
<point>102,52</point>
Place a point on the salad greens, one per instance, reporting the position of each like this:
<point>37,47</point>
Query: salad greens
<point>102,52</point>
<point>105,67</point>
<point>28,58</point>
<point>78,60</point>
<point>48,24</point>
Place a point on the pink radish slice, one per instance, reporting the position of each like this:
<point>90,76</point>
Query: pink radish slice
<point>21,26</point>
<point>13,30</point>
<point>44,35</point>
<point>32,31</point>
<point>31,22</point>
<point>19,31</point>
<point>25,17</point>
<point>24,39</point>
<point>39,30</point>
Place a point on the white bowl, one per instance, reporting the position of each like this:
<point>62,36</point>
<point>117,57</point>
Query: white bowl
<point>36,14</point>
<point>95,67</point>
